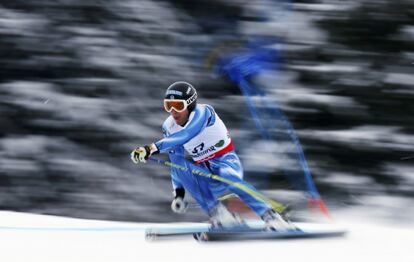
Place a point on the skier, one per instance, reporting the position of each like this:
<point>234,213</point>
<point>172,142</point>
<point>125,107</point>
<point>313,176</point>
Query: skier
<point>198,130</point>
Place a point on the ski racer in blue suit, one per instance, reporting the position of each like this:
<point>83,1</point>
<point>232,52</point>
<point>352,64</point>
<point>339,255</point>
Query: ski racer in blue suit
<point>199,131</point>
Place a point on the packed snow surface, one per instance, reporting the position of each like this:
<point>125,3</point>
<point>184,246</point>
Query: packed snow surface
<point>30,237</point>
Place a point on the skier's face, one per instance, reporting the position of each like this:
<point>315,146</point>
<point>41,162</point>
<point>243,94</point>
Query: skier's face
<point>180,117</point>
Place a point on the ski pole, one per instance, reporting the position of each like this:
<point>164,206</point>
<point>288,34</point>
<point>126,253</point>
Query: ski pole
<point>278,207</point>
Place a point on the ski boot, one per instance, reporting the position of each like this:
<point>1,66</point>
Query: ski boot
<point>275,222</point>
<point>220,217</point>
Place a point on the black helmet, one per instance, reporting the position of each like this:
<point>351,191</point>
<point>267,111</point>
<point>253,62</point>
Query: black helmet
<point>183,91</point>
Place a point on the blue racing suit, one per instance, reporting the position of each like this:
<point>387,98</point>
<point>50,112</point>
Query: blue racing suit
<point>204,125</point>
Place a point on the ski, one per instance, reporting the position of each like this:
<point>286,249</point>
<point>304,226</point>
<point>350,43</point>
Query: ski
<point>252,231</point>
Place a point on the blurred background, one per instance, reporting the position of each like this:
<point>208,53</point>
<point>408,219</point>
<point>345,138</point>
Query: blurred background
<point>82,82</point>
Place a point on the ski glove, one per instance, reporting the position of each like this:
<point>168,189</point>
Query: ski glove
<point>141,154</point>
<point>178,205</point>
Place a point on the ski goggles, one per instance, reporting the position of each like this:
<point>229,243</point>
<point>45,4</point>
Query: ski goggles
<point>178,105</point>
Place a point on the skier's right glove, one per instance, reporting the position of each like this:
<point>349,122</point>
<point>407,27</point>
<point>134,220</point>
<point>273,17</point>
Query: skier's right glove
<point>178,205</point>
<point>141,154</point>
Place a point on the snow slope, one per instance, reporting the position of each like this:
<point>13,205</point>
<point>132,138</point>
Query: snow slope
<point>29,237</point>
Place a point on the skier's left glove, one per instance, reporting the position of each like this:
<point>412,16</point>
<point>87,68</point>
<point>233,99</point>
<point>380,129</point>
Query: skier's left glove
<point>179,205</point>
<point>141,154</point>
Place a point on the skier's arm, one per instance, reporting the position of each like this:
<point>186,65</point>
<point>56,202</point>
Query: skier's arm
<point>201,118</point>
<point>195,126</point>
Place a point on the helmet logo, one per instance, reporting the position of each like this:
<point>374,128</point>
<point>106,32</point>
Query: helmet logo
<point>188,90</point>
<point>171,97</point>
<point>174,92</point>
<point>192,99</point>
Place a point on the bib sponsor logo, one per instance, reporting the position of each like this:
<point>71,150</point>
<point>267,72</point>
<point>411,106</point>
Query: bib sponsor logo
<point>199,151</point>
<point>205,152</point>
<point>198,148</point>
<point>220,143</point>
